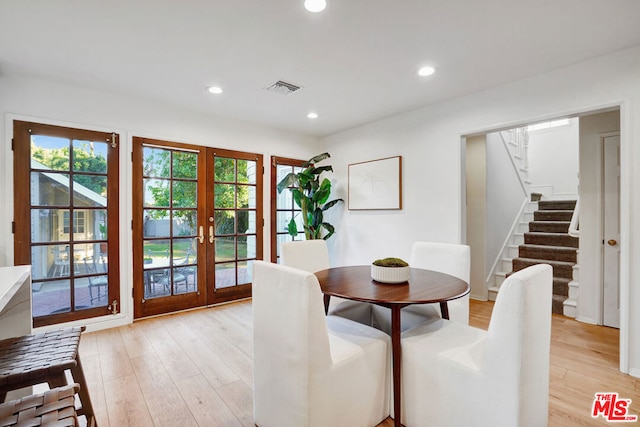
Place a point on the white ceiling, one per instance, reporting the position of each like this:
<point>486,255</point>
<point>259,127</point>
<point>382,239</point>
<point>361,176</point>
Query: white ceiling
<point>356,61</point>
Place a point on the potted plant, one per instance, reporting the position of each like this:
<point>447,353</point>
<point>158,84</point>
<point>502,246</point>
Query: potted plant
<point>390,270</point>
<point>311,194</point>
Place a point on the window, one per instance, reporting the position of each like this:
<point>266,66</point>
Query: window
<point>78,222</point>
<point>548,125</point>
<point>61,220</point>
<point>283,208</point>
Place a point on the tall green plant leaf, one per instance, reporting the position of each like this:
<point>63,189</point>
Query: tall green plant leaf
<point>292,227</point>
<point>316,159</point>
<point>310,193</point>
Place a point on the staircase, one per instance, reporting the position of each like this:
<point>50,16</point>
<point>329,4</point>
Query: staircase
<point>547,241</point>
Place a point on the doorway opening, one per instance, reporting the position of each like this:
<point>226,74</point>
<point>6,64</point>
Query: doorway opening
<point>593,289</point>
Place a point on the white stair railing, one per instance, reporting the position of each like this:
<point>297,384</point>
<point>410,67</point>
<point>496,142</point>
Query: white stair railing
<point>574,226</point>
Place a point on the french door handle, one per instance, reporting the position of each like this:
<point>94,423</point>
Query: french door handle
<point>201,236</point>
<point>211,238</point>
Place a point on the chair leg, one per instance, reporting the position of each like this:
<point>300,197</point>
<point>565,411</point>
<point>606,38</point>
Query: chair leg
<point>85,399</point>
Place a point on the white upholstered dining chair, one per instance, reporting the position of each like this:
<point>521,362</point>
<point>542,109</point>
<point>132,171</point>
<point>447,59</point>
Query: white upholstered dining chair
<point>312,256</point>
<point>311,369</point>
<point>449,258</point>
<point>457,375</point>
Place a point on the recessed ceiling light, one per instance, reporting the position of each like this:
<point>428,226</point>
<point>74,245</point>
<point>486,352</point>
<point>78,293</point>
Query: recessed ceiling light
<point>426,71</point>
<point>215,89</point>
<point>312,115</point>
<point>315,5</point>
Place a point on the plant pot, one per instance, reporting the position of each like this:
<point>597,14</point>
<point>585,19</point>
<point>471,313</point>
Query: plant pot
<point>390,274</point>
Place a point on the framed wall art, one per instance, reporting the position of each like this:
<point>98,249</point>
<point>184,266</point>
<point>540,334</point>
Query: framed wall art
<point>376,184</point>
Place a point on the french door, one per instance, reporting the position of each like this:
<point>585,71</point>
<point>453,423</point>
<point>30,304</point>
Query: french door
<point>66,220</point>
<point>197,225</point>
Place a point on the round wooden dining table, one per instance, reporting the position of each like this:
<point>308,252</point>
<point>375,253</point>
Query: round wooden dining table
<point>423,287</point>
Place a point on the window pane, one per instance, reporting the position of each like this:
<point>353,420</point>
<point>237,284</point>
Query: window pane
<point>246,222</point>
<point>282,221</point>
<point>183,251</point>
<point>225,222</point>
<point>91,291</point>
<point>247,171</point>
<point>246,196</point>
<point>224,195</point>
<point>246,247</point>
<point>50,152</point>
<point>89,190</point>
<point>156,192</point>
<point>185,279</point>
<point>282,171</point>
<point>185,222</point>
<point>245,272</point>
<point>156,253</point>
<point>225,169</point>
<point>185,194</point>
<point>97,223</point>
<point>89,156</point>
<point>86,253</point>
<point>46,225</point>
<point>285,199</point>
<point>49,189</point>
<point>155,162</point>
<point>51,297</point>
<point>225,248</point>
<point>157,283</point>
<point>79,226</point>
<point>225,275</point>
<point>185,165</point>
<point>49,261</point>
<point>156,223</point>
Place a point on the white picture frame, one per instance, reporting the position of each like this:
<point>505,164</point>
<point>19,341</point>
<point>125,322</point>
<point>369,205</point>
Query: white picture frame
<point>375,184</point>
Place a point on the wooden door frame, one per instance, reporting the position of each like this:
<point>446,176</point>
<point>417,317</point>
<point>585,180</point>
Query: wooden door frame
<point>142,307</point>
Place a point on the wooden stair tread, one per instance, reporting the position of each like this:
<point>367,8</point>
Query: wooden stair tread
<point>549,247</point>
<point>550,262</point>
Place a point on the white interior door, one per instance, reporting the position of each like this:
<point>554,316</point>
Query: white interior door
<point>611,229</point>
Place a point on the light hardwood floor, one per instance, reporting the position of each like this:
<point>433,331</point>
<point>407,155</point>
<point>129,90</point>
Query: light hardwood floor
<point>195,369</point>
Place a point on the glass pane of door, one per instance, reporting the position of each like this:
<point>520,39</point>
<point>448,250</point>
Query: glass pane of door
<point>70,179</point>
<point>235,223</point>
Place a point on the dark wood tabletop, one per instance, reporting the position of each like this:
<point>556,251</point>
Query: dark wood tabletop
<point>423,287</point>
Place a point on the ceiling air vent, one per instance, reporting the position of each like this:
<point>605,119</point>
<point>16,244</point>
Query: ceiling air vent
<point>283,88</point>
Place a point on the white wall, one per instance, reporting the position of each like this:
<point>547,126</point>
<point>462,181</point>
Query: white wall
<point>429,141</point>
<point>476,235</point>
<point>553,161</point>
<point>505,197</point>
<point>55,103</point>
<point>589,307</point>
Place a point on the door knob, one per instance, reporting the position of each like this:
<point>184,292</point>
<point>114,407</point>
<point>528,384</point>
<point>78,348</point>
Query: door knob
<point>612,242</point>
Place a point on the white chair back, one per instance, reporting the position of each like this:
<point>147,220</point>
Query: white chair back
<point>518,341</point>
<point>448,258</point>
<point>312,370</point>
<point>307,255</point>
<point>458,375</point>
